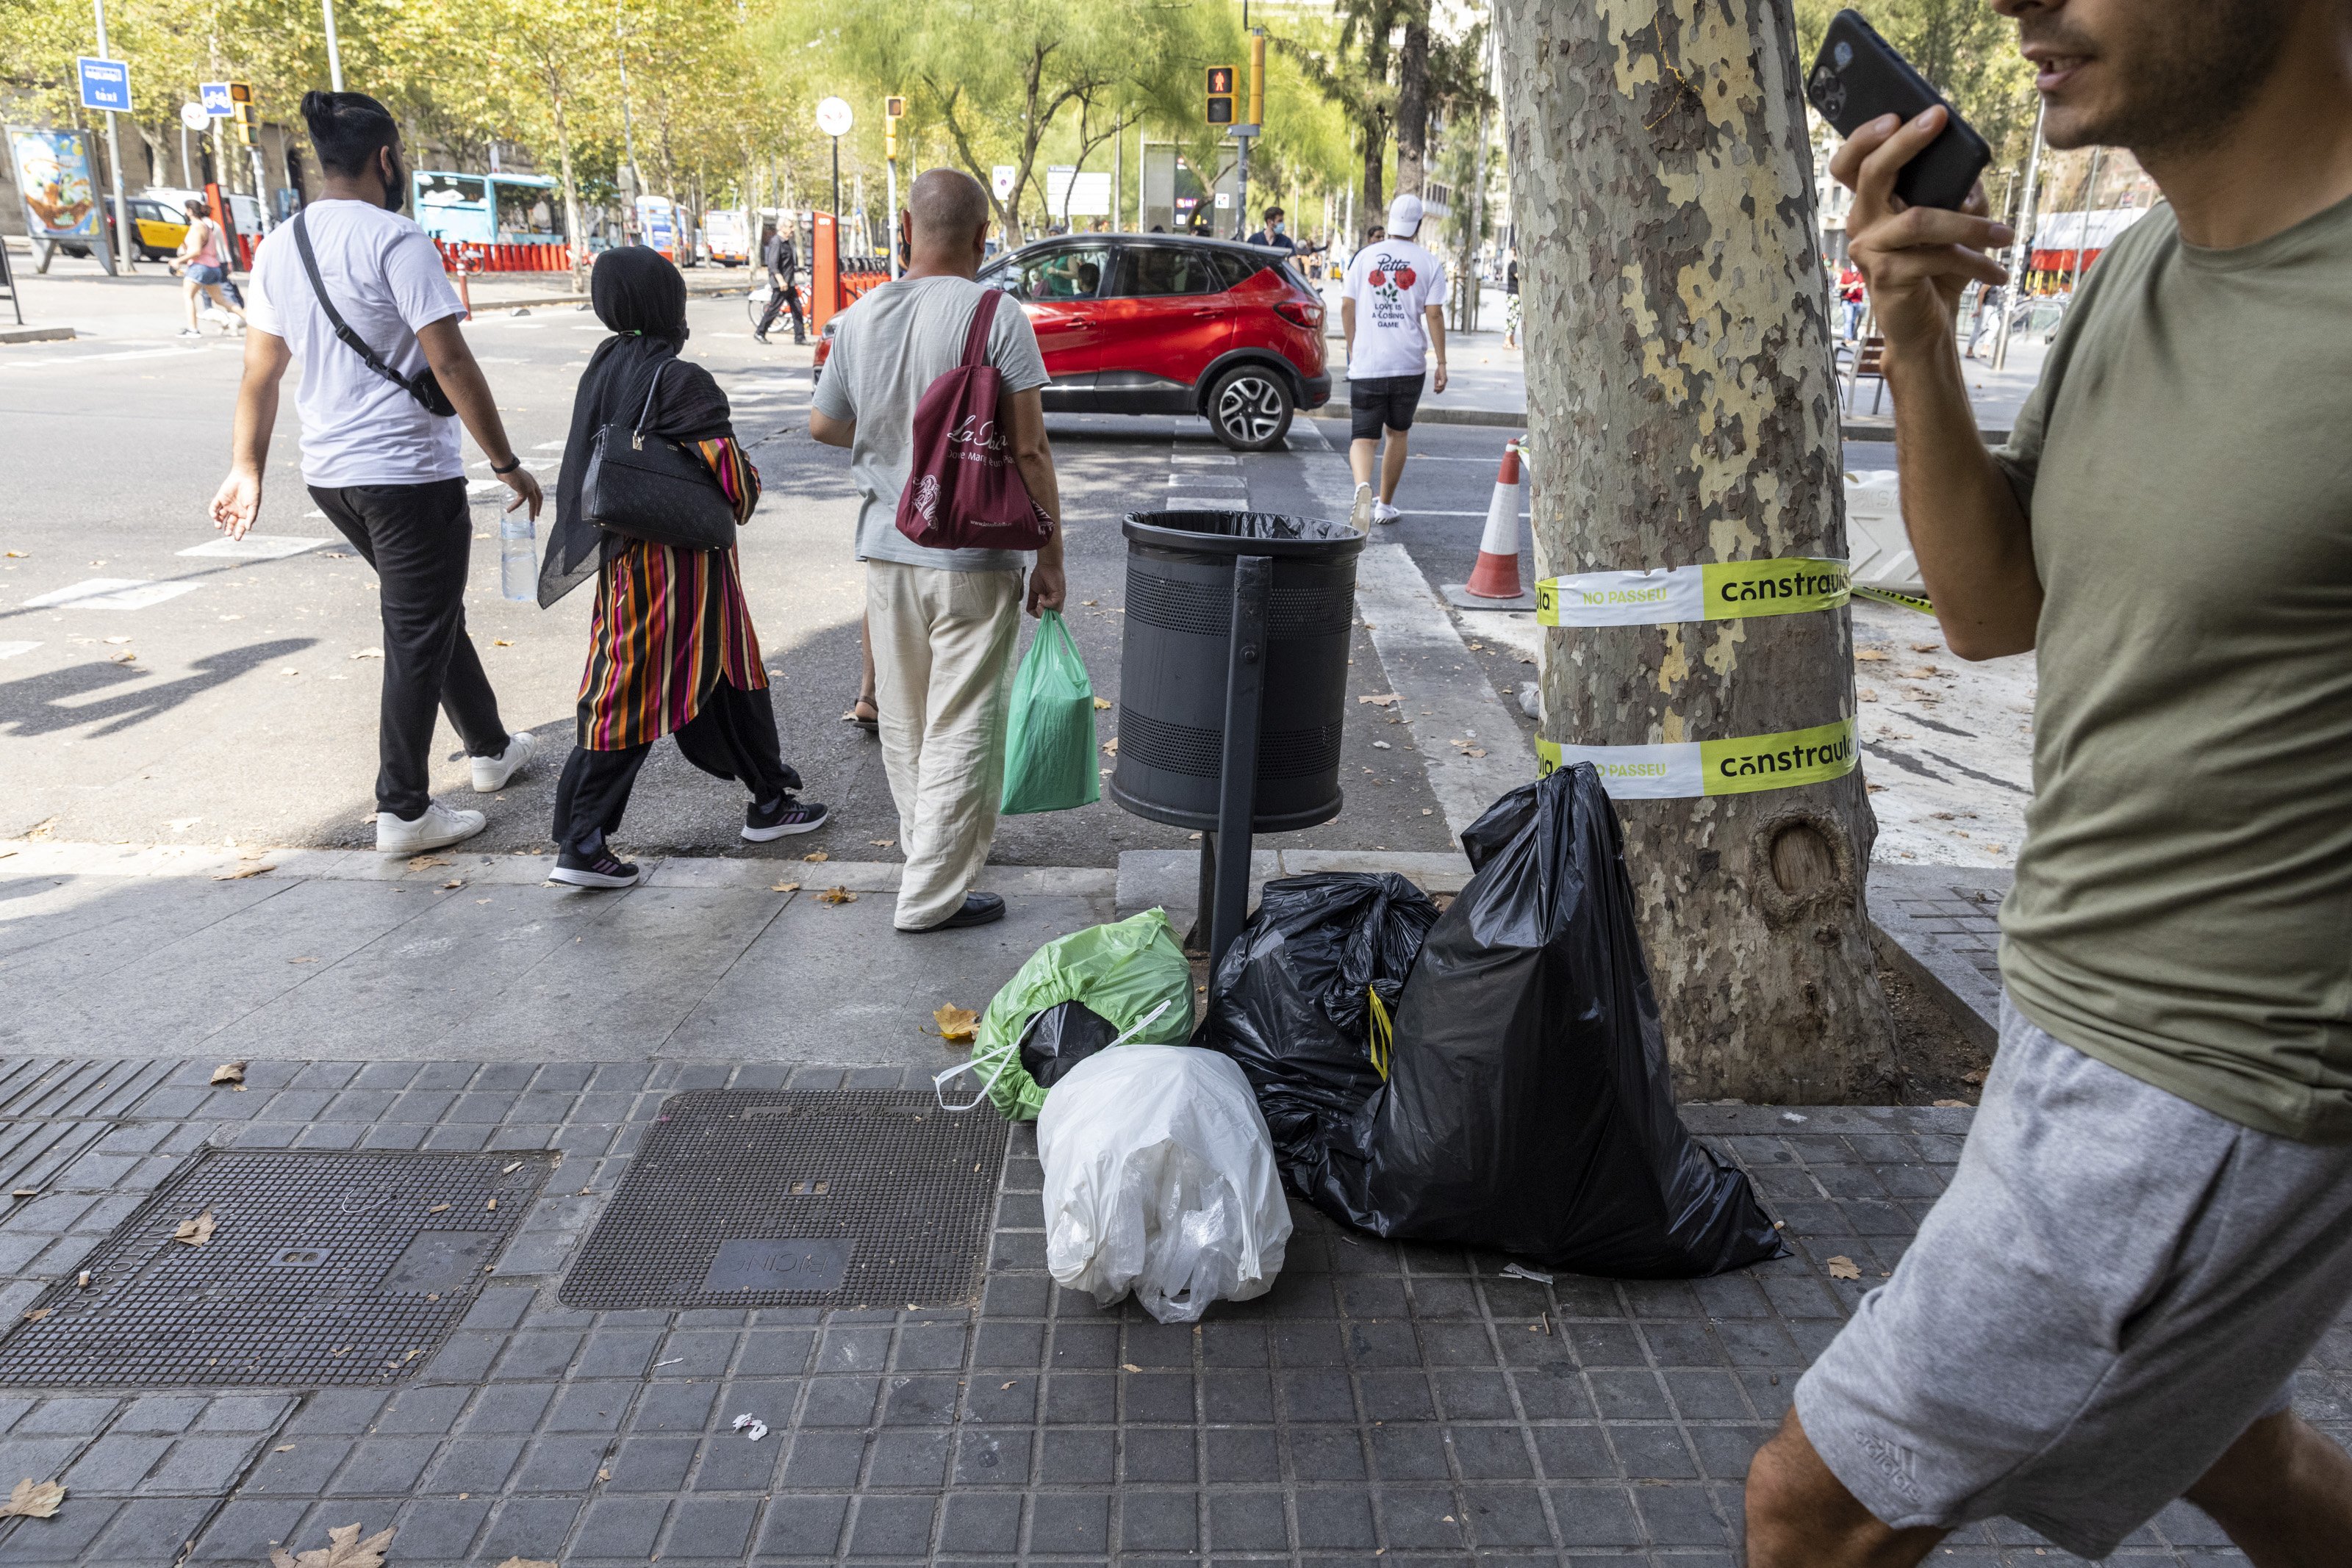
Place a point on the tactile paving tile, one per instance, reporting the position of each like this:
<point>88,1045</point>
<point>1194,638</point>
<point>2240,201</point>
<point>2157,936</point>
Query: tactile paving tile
<point>328,1268</point>
<point>861,1197</point>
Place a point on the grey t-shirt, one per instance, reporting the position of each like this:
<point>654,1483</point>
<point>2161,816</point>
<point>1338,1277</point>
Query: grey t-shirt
<point>888,349</point>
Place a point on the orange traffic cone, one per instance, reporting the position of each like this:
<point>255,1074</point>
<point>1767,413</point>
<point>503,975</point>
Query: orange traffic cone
<point>1496,575</point>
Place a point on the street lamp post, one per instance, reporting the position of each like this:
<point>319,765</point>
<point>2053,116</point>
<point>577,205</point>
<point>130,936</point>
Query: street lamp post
<point>834,118</point>
<point>124,235</point>
<point>2020,246</point>
<point>334,54</point>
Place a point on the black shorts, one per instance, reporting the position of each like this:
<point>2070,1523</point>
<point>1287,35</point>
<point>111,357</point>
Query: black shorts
<point>1381,401</point>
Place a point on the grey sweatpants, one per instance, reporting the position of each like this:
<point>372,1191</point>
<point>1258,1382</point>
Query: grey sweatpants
<point>2116,1284</point>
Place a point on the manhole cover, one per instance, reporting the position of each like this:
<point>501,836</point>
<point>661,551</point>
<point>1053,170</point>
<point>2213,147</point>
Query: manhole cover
<point>318,1268</point>
<point>753,1198</point>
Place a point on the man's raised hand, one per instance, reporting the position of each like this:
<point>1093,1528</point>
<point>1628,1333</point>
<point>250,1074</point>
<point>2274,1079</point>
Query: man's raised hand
<point>1915,260</point>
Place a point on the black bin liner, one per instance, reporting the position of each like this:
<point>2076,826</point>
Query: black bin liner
<point>1529,1108</point>
<point>1061,1037</point>
<point>1291,1004</point>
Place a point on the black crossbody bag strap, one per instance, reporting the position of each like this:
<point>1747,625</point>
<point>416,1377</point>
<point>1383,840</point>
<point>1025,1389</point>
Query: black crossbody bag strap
<point>424,389</point>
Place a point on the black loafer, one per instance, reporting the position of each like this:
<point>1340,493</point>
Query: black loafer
<point>978,909</point>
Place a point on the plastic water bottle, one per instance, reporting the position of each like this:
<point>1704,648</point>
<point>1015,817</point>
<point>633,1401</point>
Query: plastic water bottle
<point>518,564</point>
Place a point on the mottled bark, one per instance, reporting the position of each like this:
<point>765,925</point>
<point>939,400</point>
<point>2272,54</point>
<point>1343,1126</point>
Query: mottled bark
<point>1413,105</point>
<point>1684,411</point>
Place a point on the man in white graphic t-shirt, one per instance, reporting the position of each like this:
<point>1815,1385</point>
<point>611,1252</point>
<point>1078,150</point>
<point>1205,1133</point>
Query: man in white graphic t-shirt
<point>1392,308</point>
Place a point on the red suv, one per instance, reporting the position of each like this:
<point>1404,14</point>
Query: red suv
<point>1171,324</point>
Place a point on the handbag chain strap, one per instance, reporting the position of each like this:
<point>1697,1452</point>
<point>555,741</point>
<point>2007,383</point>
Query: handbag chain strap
<point>638,436</point>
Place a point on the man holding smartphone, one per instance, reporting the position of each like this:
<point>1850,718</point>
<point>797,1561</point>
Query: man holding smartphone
<point>2151,1224</point>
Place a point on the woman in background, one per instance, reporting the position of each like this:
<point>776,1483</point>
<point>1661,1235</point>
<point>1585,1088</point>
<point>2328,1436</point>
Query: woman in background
<point>671,649</point>
<point>201,266</point>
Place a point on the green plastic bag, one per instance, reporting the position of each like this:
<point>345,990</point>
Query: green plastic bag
<point>1049,761</point>
<point>1122,971</point>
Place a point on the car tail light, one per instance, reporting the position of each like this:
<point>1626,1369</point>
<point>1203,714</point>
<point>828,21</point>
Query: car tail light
<point>1302,312</point>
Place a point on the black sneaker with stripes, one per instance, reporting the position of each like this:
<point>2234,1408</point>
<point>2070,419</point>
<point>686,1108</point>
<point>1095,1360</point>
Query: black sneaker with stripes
<point>786,817</point>
<point>603,869</point>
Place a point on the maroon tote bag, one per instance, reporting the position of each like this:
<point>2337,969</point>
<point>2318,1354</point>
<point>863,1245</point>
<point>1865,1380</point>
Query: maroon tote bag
<point>963,491</point>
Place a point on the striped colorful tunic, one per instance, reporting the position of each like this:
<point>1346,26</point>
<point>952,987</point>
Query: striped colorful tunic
<point>670,625</point>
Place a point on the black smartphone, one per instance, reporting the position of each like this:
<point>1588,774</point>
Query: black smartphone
<point>1858,77</point>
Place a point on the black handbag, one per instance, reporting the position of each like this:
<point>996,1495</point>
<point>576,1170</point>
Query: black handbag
<point>653,489</point>
<point>425,387</point>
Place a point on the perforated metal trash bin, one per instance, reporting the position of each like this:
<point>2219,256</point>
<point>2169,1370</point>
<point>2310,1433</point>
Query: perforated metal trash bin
<point>1180,574</point>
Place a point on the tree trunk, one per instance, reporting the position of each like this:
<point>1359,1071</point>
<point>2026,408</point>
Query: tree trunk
<point>1684,411</point>
<point>1413,107</point>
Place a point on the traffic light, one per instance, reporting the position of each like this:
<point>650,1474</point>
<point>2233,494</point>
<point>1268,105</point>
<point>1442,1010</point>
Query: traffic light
<point>893,110</point>
<point>1221,94</point>
<point>240,111</point>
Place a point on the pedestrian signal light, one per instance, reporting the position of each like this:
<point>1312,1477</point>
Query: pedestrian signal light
<point>240,111</point>
<point>894,107</point>
<point>1221,94</point>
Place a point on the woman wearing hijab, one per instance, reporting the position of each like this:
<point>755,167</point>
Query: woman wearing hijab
<point>671,649</point>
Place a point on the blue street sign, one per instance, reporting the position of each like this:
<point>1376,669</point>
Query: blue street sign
<point>105,84</point>
<point>215,96</point>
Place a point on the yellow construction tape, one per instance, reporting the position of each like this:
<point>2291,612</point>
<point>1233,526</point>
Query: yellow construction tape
<point>1723,592</point>
<point>1897,596</point>
<point>1680,771</point>
<point>1383,1034</point>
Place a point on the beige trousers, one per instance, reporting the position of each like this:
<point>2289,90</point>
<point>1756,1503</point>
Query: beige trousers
<point>943,646</point>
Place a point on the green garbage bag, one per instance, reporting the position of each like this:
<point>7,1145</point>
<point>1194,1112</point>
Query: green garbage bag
<point>1049,756</point>
<point>1122,971</point>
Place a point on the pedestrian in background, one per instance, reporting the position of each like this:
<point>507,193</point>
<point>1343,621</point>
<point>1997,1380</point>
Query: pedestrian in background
<point>379,452</point>
<point>2150,1225</point>
<point>943,621</point>
<point>1392,308</point>
<point>201,263</point>
<point>1511,297</point>
<point>671,649</point>
<point>1851,302</point>
<point>783,260</point>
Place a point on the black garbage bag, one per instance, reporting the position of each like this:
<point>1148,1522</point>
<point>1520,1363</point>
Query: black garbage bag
<point>1292,1003</point>
<point>1061,1037</point>
<point>1528,1107</point>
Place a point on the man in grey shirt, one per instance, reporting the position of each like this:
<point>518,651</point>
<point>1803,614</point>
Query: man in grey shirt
<point>943,621</point>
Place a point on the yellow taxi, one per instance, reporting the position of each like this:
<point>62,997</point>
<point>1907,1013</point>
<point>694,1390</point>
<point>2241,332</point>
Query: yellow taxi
<point>160,229</point>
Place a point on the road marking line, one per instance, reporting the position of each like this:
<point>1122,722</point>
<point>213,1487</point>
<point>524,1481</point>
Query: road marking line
<point>1207,504</point>
<point>256,547</point>
<point>10,650</point>
<point>111,593</point>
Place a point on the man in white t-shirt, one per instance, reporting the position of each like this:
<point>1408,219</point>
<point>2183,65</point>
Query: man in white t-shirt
<point>1392,308</point>
<point>381,463</point>
<point>943,623</point>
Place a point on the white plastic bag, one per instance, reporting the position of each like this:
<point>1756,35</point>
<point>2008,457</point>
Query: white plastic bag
<point>1159,1177</point>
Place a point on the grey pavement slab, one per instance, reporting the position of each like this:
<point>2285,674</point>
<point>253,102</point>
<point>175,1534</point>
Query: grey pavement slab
<point>1382,1402</point>
<point>1941,924</point>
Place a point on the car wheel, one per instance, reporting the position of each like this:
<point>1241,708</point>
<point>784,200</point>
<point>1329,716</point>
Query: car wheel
<point>1250,408</point>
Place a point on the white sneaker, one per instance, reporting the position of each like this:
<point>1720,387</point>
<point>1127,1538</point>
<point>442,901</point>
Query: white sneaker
<point>1384,513</point>
<point>436,827</point>
<point>491,773</point>
<point>1359,511</point>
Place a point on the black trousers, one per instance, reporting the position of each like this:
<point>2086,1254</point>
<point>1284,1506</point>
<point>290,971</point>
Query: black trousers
<point>733,737</point>
<point>419,539</point>
<point>789,293</point>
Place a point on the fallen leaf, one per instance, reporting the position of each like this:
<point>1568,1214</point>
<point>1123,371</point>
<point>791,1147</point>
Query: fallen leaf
<point>1871,655</point>
<point>229,1072</point>
<point>124,657</point>
<point>1927,647</point>
<point>836,896</point>
<point>957,1024</point>
<point>81,1280</point>
<point>500,642</point>
<point>42,829</point>
<point>883,843</point>
<point>1950,1105</point>
<point>816,855</point>
<point>345,1549</point>
<point>369,653</point>
<point>427,863</point>
<point>511,1169</point>
<point>453,884</point>
<point>605,1474</point>
<point>1386,699</point>
<point>492,1203</point>
<point>437,1208</point>
<point>785,887</point>
<point>289,671</point>
<point>1128,1366</point>
<point>1842,1268</point>
<point>1473,751</point>
<point>1110,747</point>
<point>241,872</point>
<point>527,1562</point>
<point>283,1449</point>
<point>37,1313</point>
<point>302,960</point>
<point>1001,1387</point>
<point>1101,704</point>
<point>1924,672</point>
<point>27,1192</point>
<point>195,1232</point>
<point>33,1500</point>
<point>1867,693</point>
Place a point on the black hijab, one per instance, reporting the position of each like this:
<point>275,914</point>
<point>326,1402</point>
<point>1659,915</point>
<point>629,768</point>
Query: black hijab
<point>642,298</point>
